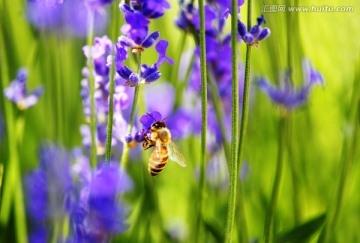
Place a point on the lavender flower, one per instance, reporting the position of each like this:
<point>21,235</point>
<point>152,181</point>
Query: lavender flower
<point>186,17</point>
<point>148,74</point>
<point>150,9</point>
<point>255,34</point>
<point>17,91</point>
<point>97,212</point>
<point>48,191</point>
<point>101,53</point>
<point>287,95</point>
<point>69,17</point>
<point>135,47</point>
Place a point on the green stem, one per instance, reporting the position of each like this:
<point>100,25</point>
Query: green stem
<point>203,115</point>
<point>126,150</point>
<point>111,112</point>
<point>269,222</point>
<point>219,116</point>
<point>234,123</point>
<point>90,39</point>
<point>12,183</point>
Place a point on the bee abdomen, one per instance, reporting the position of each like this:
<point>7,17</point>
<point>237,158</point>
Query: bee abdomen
<point>158,160</point>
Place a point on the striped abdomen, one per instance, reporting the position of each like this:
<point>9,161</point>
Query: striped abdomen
<point>158,160</point>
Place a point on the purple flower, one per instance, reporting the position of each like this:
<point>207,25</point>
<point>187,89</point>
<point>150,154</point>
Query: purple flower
<point>153,9</point>
<point>136,27</point>
<point>66,17</point>
<point>97,5</point>
<point>100,51</point>
<point>210,16</point>
<point>161,48</point>
<point>287,95</point>
<point>47,191</point>
<point>186,17</point>
<point>135,48</point>
<point>150,9</point>
<point>97,213</point>
<point>255,34</point>
<point>148,74</point>
<point>17,91</point>
<point>149,118</point>
<point>102,58</point>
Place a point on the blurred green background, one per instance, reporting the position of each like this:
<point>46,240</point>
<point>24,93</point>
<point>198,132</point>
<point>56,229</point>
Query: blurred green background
<point>319,128</point>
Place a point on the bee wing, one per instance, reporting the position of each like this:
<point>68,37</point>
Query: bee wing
<point>175,154</point>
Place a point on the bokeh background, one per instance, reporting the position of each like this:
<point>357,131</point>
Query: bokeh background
<point>167,203</point>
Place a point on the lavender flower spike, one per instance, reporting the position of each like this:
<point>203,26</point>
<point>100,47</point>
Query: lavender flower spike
<point>286,95</point>
<point>255,34</point>
<point>98,214</point>
<point>17,91</point>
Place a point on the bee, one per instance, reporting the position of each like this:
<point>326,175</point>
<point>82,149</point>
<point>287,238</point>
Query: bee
<point>164,148</point>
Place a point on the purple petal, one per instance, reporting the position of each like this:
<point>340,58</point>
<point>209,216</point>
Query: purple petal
<point>149,118</point>
<point>241,28</point>
<point>123,40</point>
<point>261,20</point>
<point>149,41</point>
<point>161,47</point>
<point>264,34</point>
<point>124,72</point>
<point>248,38</point>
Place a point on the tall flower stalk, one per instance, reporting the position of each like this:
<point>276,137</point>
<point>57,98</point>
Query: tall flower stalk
<point>125,154</point>
<point>90,38</point>
<point>236,145</point>
<point>111,111</point>
<point>203,113</point>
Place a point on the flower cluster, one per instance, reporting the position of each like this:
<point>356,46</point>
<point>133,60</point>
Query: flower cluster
<point>100,51</point>
<point>255,34</point>
<point>17,91</point>
<point>48,191</point>
<point>58,190</point>
<point>137,38</point>
<point>97,213</point>
<point>63,16</point>
<point>286,95</point>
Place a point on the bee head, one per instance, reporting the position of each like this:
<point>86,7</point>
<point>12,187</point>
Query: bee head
<point>158,125</point>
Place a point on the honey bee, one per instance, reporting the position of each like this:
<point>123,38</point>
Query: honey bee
<point>164,149</point>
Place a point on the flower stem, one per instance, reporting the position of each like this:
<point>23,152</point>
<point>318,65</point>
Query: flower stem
<point>90,38</point>
<point>114,28</point>
<point>111,112</point>
<point>219,116</point>
<point>234,124</point>
<point>12,182</point>
<point>269,222</point>
<point>203,115</point>
<point>126,150</point>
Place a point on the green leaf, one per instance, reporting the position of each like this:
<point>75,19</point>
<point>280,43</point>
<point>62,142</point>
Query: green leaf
<point>302,232</point>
